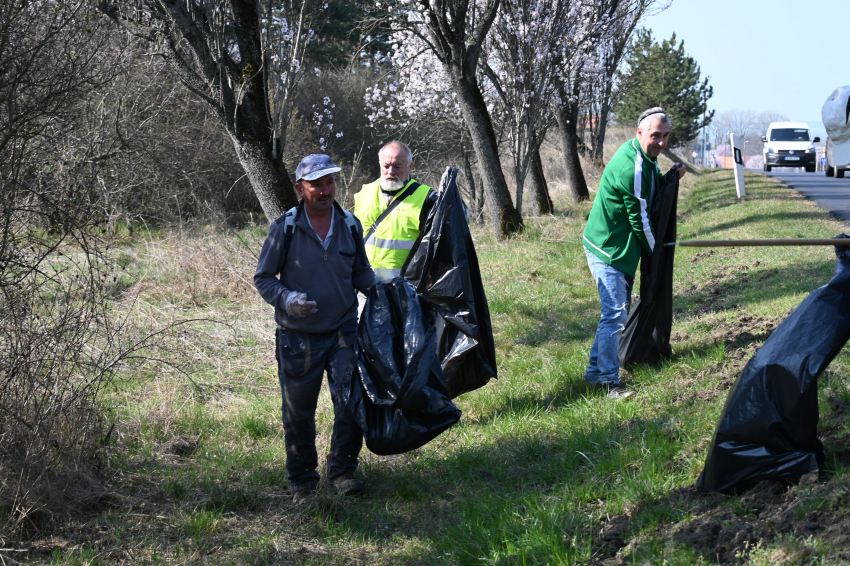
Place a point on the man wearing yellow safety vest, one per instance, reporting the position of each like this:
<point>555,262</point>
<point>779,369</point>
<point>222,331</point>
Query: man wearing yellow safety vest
<point>392,210</point>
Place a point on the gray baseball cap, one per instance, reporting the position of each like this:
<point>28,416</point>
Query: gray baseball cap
<point>315,166</point>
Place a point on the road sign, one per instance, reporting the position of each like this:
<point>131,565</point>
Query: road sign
<point>739,165</point>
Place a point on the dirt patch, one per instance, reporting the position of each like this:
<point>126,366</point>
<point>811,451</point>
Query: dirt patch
<point>720,287</point>
<point>613,534</point>
<point>725,372</point>
<point>702,255</point>
<point>767,274</point>
<point>742,338</point>
<point>838,406</point>
<point>833,428</point>
<point>691,397</point>
<point>693,390</point>
<point>747,328</point>
<point>181,445</point>
<point>726,529</point>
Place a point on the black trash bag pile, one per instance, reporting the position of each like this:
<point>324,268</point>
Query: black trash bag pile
<point>423,339</point>
<point>443,268</point>
<point>646,337</point>
<point>768,428</point>
<point>398,392</point>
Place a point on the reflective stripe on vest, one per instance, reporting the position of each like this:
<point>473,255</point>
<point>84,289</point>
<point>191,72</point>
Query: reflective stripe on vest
<point>391,242</point>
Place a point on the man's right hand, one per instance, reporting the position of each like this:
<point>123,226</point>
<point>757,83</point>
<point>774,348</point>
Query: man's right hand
<point>297,305</point>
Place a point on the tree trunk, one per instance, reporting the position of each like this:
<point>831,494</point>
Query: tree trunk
<point>503,216</point>
<point>477,203</point>
<point>567,116</point>
<point>538,188</point>
<point>272,186</point>
<point>251,129</point>
<point>519,185</point>
<point>232,88</point>
<point>605,108</point>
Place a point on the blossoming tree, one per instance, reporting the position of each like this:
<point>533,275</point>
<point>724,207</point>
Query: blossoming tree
<point>519,68</point>
<point>415,101</point>
<point>598,94</point>
<point>586,61</point>
<point>454,32</point>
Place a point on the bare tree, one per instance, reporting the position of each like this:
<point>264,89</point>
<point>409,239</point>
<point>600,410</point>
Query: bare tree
<point>741,122</point>
<point>575,64</point>
<point>590,57</point>
<point>521,51</point>
<point>155,151</point>
<point>58,344</point>
<point>747,124</point>
<point>243,59</point>
<point>538,188</point>
<point>567,114</point>
<point>611,50</point>
<point>762,121</point>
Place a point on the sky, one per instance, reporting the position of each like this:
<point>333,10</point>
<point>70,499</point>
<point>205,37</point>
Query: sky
<point>781,55</point>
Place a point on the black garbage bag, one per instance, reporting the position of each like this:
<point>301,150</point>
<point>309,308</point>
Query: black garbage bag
<point>398,392</point>
<point>768,428</point>
<point>443,268</point>
<point>646,337</point>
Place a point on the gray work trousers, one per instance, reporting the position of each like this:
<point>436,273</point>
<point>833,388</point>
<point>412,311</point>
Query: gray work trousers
<point>302,360</point>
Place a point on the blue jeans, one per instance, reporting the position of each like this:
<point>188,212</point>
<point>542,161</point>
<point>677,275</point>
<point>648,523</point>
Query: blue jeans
<point>302,361</point>
<point>615,292</point>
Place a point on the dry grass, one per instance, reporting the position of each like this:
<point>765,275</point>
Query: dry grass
<point>193,270</point>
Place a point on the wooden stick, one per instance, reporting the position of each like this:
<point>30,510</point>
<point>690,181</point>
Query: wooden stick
<point>776,242</point>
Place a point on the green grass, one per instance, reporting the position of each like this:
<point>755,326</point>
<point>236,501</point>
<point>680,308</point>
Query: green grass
<point>540,470</point>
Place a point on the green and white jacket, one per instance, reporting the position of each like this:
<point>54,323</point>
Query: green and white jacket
<point>618,226</point>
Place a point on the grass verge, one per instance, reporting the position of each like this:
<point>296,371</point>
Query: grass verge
<point>540,470</point>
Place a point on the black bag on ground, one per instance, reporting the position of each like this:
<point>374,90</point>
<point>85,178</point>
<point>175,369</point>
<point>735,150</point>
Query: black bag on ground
<point>443,268</point>
<point>646,337</point>
<point>398,393</point>
<point>768,428</point>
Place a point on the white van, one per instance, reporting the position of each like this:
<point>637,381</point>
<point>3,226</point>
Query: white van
<point>788,144</point>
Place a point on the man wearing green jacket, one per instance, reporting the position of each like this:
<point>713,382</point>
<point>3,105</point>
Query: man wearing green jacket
<point>617,230</point>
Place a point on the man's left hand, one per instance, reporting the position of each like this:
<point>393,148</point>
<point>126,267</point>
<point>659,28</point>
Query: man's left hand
<point>680,168</point>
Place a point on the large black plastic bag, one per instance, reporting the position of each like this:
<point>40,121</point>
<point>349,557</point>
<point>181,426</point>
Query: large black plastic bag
<point>646,337</point>
<point>398,392</point>
<point>443,268</point>
<point>768,428</point>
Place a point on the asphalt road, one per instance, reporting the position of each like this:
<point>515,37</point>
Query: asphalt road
<point>831,193</point>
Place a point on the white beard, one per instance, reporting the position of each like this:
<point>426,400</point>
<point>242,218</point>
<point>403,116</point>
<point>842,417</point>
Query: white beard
<point>388,185</point>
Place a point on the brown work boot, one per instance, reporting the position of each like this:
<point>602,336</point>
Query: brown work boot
<point>347,484</point>
<point>304,493</point>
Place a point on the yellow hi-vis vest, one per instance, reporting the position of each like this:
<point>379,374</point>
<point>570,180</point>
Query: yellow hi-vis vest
<point>390,244</point>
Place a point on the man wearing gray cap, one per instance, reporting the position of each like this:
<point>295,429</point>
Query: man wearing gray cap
<point>618,229</point>
<point>311,264</point>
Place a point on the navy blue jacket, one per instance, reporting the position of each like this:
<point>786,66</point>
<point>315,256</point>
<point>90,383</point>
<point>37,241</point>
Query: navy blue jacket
<point>329,278</point>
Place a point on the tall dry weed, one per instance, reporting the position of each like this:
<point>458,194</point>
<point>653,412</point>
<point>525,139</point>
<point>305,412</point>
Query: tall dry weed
<point>194,270</point>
